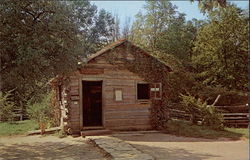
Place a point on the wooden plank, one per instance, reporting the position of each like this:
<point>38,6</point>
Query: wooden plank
<point>235,114</point>
<point>73,98</point>
<point>131,106</point>
<point>128,114</point>
<point>126,97</point>
<point>130,127</point>
<point>74,88</point>
<point>74,92</point>
<point>126,122</point>
<point>128,105</point>
<point>115,82</point>
<point>119,72</point>
<point>126,117</point>
<point>234,118</point>
<point>91,71</point>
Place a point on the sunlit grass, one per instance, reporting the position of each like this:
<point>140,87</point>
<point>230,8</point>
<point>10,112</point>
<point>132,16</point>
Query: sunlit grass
<point>185,128</point>
<point>17,128</point>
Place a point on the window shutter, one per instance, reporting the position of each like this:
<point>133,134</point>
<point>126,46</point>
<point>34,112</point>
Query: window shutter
<point>158,91</point>
<point>152,90</point>
<point>155,91</point>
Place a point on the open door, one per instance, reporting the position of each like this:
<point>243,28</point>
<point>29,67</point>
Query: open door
<point>92,103</point>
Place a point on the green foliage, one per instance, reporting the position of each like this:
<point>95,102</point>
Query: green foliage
<point>159,115</point>
<point>198,109</point>
<point>212,118</point>
<point>207,6</point>
<point>149,26</point>
<point>43,39</point>
<point>221,49</point>
<point>7,107</point>
<point>41,112</point>
<point>180,82</point>
<point>227,97</point>
<point>187,129</point>
<point>17,128</point>
<point>60,134</point>
<point>163,29</point>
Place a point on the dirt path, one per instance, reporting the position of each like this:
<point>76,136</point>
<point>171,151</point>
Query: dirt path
<point>169,147</point>
<point>48,147</point>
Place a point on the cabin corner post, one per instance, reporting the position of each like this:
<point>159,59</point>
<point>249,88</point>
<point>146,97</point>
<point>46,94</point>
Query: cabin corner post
<point>74,109</point>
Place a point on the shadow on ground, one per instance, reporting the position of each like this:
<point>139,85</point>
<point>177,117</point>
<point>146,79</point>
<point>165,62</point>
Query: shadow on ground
<point>159,137</point>
<point>173,153</point>
<point>49,150</point>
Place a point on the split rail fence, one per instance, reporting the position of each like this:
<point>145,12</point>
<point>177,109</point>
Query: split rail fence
<point>234,116</point>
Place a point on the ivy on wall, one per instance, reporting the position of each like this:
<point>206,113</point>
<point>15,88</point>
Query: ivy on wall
<point>151,70</point>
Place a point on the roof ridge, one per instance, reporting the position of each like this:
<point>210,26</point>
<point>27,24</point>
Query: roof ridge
<point>106,48</point>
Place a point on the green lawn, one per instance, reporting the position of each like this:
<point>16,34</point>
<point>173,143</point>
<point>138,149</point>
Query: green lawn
<point>185,128</point>
<point>17,128</point>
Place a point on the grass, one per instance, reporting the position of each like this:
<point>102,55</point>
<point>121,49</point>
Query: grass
<point>17,128</point>
<point>185,128</point>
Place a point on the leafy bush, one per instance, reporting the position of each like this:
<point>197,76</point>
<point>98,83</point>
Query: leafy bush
<point>212,118</point>
<point>41,111</point>
<point>159,115</point>
<point>7,107</point>
<point>184,82</point>
<point>200,110</point>
<point>180,82</point>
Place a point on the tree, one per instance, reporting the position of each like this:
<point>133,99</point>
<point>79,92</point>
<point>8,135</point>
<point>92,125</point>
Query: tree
<point>42,39</point>
<point>163,31</point>
<point>148,27</point>
<point>7,107</point>
<point>209,5</point>
<point>116,32</point>
<point>95,29</point>
<point>221,47</point>
<point>178,39</point>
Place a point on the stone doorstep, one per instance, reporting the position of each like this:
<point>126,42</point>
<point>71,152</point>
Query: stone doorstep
<point>118,149</point>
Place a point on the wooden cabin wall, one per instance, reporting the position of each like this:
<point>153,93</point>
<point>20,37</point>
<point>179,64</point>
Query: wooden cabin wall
<point>128,114</point>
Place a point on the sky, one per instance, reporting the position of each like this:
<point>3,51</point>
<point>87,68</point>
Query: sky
<point>130,8</point>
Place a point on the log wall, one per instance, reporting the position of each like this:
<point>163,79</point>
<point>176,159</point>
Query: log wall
<point>128,114</point>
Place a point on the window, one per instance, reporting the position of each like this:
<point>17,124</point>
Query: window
<point>155,91</point>
<point>118,94</point>
<point>143,91</point>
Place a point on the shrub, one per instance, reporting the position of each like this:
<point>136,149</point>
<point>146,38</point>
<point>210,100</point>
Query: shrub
<point>7,107</point>
<point>41,111</point>
<point>212,118</point>
<point>198,109</point>
<point>159,115</point>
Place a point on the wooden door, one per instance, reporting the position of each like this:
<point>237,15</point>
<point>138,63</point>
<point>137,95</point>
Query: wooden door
<point>92,103</point>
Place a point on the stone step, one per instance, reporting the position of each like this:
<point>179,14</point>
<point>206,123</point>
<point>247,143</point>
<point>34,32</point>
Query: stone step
<point>117,149</point>
<point>95,132</point>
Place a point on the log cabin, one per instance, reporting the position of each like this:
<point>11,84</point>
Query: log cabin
<point>103,94</point>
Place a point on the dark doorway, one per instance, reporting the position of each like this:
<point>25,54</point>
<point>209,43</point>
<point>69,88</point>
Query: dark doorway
<point>92,103</point>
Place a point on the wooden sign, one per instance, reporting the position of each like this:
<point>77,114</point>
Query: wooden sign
<point>91,71</point>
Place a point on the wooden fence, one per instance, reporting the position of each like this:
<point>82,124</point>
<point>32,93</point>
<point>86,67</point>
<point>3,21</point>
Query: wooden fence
<point>18,116</point>
<point>234,116</point>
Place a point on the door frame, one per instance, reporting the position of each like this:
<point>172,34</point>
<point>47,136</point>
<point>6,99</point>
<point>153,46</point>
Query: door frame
<point>81,100</point>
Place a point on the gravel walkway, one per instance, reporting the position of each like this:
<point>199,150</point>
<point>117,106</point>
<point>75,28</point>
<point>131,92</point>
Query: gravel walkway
<point>47,148</point>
